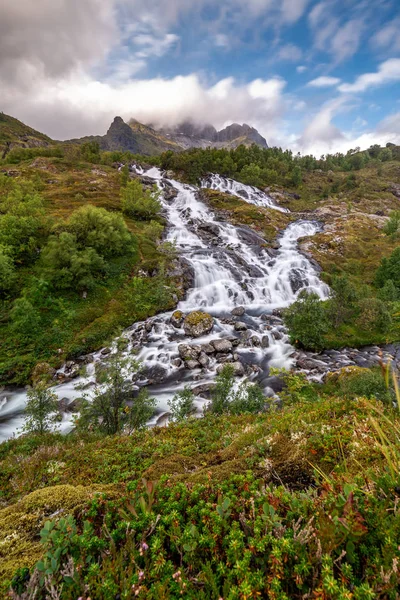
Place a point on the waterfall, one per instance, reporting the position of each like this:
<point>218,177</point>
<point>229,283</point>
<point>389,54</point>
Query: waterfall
<point>232,268</point>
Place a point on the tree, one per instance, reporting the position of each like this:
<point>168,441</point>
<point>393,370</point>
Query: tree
<point>7,270</point>
<point>182,405</point>
<point>100,229</point>
<point>90,151</point>
<point>248,397</point>
<point>297,176</point>
<point>139,203</point>
<point>141,411</point>
<point>41,410</point>
<point>385,154</point>
<point>392,225</point>
<point>343,301</point>
<point>113,406</point>
<point>221,394</point>
<point>25,318</point>
<point>68,267</point>
<point>389,269</point>
<point>374,314</point>
<point>307,321</point>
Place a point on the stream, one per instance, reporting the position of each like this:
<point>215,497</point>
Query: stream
<point>231,270</point>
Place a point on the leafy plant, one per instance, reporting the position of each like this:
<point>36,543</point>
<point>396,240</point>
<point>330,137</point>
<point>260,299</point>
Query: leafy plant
<point>182,405</point>
<point>139,203</point>
<point>307,321</point>
<point>41,410</point>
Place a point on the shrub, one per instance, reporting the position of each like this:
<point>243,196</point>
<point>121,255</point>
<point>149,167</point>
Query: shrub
<point>139,203</point>
<point>100,229</point>
<point>344,298</point>
<point>364,383</point>
<point>141,411</point>
<point>389,269</point>
<point>392,225</point>
<point>374,314</point>
<point>389,292</point>
<point>182,405</point>
<point>247,398</point>
<point>307,321</point>
<point>107,410</point>
<point>68,267</point>
<point>90,151</point>
<point>41,411</point>
<point>7,270</point>
<point>25,318</point>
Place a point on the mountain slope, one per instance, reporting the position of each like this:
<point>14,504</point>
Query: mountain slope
<point>190,135</point>
<point>14,134</point>
<point>133,137</point>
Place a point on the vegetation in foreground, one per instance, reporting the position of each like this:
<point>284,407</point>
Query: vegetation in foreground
<point>300,502</point>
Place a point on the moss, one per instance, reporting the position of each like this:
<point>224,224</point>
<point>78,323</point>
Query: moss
<point>196,317</point>
<point>20,523</point>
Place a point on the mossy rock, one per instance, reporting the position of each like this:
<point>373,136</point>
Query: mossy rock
<point>198,323</point>
<point>177,318</point>
<point>21,523</point>
<point>345,373</point>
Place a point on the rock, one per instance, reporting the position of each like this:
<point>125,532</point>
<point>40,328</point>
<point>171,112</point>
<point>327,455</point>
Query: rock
<point>277,335</point>
<point>276,383</point>
<point>238,369</point>
<point>255,340</point>
<point>197,324</point>
<point>75,405</point>
<point>210,228</point>
<point>187,352</point>
<point>224,358</point>
<point>63,404</point>
<point>240,326</point>
<point>43,372</point>
<point>265,341</point>
<point>234,341</point>
<point>192,364</point>
<point>208,349</point>
<point>170,193</point>
<point>203,359</point>
<point>203,390</point>
<point>177,318</point>
<point>155,373</point>
<point>105,351</point>
<point>177,362</point>
<point>238,311</point>
<point>222,345</point>
<point>148,326</point>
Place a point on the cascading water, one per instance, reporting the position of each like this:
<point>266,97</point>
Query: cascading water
<point>231,268</point>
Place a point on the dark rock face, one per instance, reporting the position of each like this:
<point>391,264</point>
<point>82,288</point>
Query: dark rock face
<point>155,374</point>
<point>234,131</point>
<point>120,135</point>
<point>238,311</point>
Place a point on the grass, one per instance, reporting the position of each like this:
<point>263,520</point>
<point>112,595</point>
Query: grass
<point>215,480</point>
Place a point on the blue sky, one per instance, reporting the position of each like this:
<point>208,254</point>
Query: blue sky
<point>315,76</point>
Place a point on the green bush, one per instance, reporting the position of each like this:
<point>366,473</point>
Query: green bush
<point>139,203</point>
<point>389,269</point>
<point>68,267</point>
<point>392,225</point>
<point>7,270</point>
<point>366,384</point>
<point>247,398</point>
<point>97,228</point>
<point>41,410</point>
<point>374,314</point>
<point>307,321</point>
<point>182,405</point>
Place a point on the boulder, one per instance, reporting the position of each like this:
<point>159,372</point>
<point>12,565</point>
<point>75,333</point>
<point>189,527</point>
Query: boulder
<point>192,364</point>
<point>277,335</point>
<point>177,362</point>
<point>240,326</point>
<point>198,323</point>
<point>208,349</point>
<point>105,351</point>
<point>265,341</point>
<point>222,345</point>
<point>238,311</point>
<point>177,318</point>
<point>255,340</point>
<point>187,352</point>
<point>203,359</point>
<point>238,369</point>
<point>155,373</point>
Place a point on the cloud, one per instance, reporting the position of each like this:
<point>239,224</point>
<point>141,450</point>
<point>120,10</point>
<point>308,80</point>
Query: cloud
<point>346,41</point>
<point>324,81</point>
<point>321,131</point>
<point>341,40</point>
<point>154,46</point>
<point>388,72</point>
<point>292,10</point>
<point>388,37</point>
<point>301,68</point>
<point>80,105</point>
<point>53,37</point>
<point>290,52</point>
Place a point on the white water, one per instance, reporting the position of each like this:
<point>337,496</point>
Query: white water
<point>231,268</point>
<point>249,193</point>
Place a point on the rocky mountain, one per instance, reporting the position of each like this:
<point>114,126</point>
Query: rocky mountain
<point>190,135</point>
<point>145,139</point>
<point>15,134</point>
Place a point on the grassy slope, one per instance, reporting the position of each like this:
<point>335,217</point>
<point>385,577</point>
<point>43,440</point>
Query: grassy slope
<point>264,457</point>
<point>66,185</point>
<point>16,133</point>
